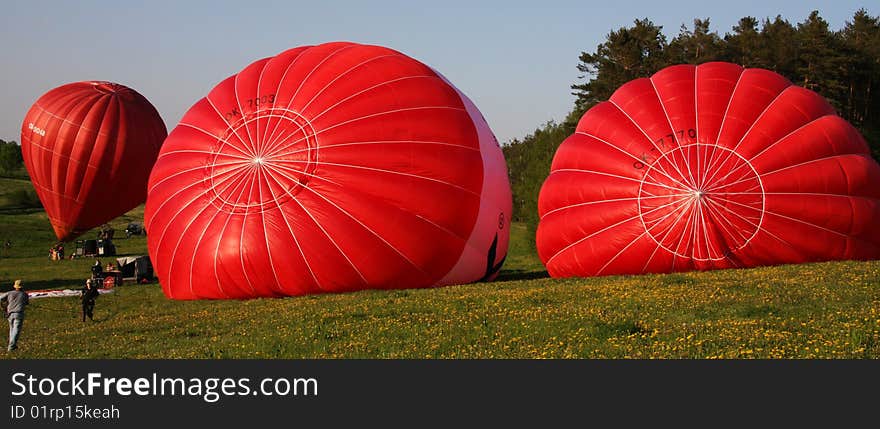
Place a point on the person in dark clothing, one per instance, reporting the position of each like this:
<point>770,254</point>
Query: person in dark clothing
<point>97,269</point>
<point>88,294</point>
<point>16,299</point>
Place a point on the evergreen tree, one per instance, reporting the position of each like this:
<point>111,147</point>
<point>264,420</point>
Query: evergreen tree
<point>820,63</point>
<point>861,40</point>
<point>778,47</point>
<point>743,45</point>
<point>627,54</point>
<point>10,158</point>
<point>695,47</point>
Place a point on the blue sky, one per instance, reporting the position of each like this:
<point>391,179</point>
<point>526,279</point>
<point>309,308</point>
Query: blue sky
<point>515,60</point>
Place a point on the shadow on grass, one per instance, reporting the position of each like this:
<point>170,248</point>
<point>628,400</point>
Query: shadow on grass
<point>510,275</point>
<point>10,210</point>
<point>56,284</point>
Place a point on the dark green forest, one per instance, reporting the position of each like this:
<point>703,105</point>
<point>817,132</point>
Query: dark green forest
<point>842,65</point>
<point>11,162</point>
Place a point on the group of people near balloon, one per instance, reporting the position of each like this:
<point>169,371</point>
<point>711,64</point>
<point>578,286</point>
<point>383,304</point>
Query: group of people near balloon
<point>341,167</point>
<point>56,252</point>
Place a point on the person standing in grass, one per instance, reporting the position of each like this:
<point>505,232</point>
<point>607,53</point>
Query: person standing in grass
<point>16,299</point>
<point>88,295</point>
<point>97,269</point>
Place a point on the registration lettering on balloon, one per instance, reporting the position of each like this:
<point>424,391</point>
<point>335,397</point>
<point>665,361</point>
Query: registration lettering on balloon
<point>674,139</point>
<point>261,100</point>
<point>232,114</point>
<point>36,130</point>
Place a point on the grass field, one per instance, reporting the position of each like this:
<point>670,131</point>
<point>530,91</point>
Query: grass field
<point>8,188</point>
<point>823,310</point>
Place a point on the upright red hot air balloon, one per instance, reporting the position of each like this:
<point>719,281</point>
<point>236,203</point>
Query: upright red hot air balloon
<point>328,168</point>
<point>706,167</point>
<point>88,148</point>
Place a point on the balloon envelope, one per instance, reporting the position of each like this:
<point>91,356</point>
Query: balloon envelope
<point>88,148</point>
<point>327,168</point>
<point>706,167</point>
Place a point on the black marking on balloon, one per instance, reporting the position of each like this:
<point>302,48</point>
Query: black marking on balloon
<point>232,114</point>
<point>670,141</point>
<point>491,267</point>
<point>261,100</point>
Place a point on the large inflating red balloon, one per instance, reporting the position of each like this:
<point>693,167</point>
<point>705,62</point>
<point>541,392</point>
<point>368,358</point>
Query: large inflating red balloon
<point>88,148</point>
<point>328,168</point>
<point>707,167</point>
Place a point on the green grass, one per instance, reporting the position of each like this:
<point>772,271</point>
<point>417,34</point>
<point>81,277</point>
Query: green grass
<point>9,185</point>
<point>8,188</point>
<point>823,310</point>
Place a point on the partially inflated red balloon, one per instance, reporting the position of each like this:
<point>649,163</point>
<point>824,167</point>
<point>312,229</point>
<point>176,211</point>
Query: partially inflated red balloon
<point>707,167</point>
<point>328,168</point>
<point>88,148</point>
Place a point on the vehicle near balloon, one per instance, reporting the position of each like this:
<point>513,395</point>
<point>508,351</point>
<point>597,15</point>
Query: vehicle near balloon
<point>329,168</point>
<point>134,228</point>
<point>89,148</point>
<point>707,167</point>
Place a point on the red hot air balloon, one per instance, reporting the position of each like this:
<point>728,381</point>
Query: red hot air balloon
<point>88,148</point>
<point>707,167</point>
<point>328,168</point>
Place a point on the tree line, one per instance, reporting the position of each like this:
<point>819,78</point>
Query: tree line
<point>11,162</point>
<point>12,166</point>
<point>842,65</point>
